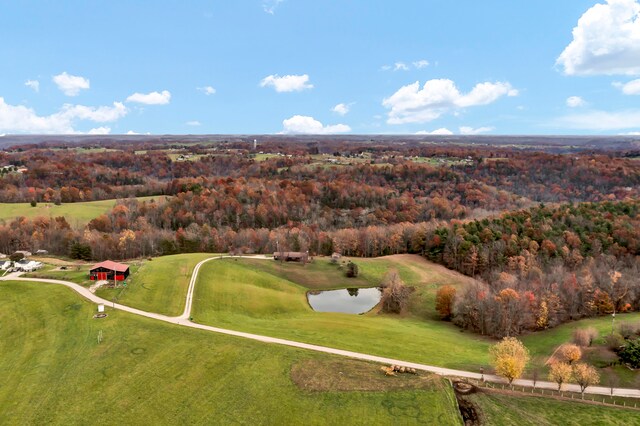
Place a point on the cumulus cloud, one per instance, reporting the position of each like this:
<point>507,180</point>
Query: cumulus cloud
<point>153,98</point>
<point>606,41</point>
<point>412,104</point>
<point>440,131</point>
<point>630,88</point>
<point>207,90</point>
<point>193,123</point>
<point>33,84</point>
<point>341,109</point>
<point>466,130</point>
<point>71,85</point>
<point>287,83</point>
<point>301,124</point>
<point>100,131</point>
<point>404,66</point>
<point>400,66</point>
<point>601,120</point>
<point>575,102</point>
<point>20,119</point>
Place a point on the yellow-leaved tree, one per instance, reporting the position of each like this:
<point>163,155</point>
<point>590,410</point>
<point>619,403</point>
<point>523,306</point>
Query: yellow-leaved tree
<point>560,373</point>
<point>570,353</point>
<point>585,375</point>
<point>510,357</point>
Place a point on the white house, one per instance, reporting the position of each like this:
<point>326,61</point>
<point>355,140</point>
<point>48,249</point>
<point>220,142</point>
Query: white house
<point>27,265</point>
<point>5,264</point>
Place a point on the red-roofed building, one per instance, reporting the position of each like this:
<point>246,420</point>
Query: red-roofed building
<point>109,270</point>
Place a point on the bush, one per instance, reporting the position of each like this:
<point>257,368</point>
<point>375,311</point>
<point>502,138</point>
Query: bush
<point>33,203</point>
<point>352,270</point>
<point>630,353</point>
<point>15,257</point>
<point>629,329</point>
<point>585,336</point>
<point>614,341</point>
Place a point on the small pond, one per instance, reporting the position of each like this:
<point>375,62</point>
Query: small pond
<point>346,300</point>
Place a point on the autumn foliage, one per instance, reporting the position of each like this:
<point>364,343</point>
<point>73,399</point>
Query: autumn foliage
<point>444,301</point>
<point>510,357</point>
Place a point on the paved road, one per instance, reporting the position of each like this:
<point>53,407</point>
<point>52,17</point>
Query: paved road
<point>183,320</point>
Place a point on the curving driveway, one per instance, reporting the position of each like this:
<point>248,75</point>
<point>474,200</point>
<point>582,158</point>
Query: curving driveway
<point>183,320</point>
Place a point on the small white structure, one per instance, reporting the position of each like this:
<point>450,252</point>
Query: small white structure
<point>27,265</point>
<point>100,308</point>
<point>3,256</point>
<point>5,264</point>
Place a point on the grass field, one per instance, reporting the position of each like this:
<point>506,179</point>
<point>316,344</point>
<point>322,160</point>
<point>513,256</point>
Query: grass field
<point>498,409</point>
<point>260,297</point>
<point>54,371</point>
<point>159,285</point>
<point>77,214</point>
<point>268,297</point>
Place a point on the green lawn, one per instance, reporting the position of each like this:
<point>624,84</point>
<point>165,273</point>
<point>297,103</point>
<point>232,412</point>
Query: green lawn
<point>159,285</point>
<point>77,214</point>
<point>242,295</point>
<point>54,371</point>
<point>498,409</point>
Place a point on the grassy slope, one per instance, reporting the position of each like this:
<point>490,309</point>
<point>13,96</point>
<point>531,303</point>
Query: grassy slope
<point>251,295</point>
<point>506,410</point>
<point>77,214</point>
<point>159,285</point>
<point>147,372</point>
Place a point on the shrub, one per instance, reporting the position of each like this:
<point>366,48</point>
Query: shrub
<point>352,270</point>
<point>614,341</point>
<point>630,353</point>
<point>584,336</point>
<point>570,353</point>
<point>629,329</point>
<point>33,203</point>
<point>16,257</point>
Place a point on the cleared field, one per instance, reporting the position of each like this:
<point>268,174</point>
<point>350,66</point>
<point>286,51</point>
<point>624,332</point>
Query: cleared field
<point>260,297</point>
<point>159,285</point>
<point>143,371</point>
<point>77,214</point>
<point>498,409</point>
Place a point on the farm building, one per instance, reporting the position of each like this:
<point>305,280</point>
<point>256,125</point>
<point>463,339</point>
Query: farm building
<point>25,265</point>
<point>291,256</point>
<point>109,270</point>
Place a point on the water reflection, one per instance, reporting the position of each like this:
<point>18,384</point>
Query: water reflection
<point>346,300</point>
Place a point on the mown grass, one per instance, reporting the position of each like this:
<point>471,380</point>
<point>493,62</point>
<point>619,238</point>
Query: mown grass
<point>159,285</point>
<point>77,214</point>
<point>242,295</point>
<point>498,409</point>
<point>144,371</point>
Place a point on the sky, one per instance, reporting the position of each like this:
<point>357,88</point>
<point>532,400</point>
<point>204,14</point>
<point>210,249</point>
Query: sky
<point>320,67</point>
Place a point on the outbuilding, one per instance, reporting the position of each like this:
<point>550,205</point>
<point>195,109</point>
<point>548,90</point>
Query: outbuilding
<point>109,270</point>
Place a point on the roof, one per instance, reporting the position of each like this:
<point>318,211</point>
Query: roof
<point>113,266</point>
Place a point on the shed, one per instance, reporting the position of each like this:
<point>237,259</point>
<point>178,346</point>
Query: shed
<point>109,270</point>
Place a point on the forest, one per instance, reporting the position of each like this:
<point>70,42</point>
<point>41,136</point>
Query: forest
<point>553,235</point>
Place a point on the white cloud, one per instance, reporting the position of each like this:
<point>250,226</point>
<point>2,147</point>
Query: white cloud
<point>422,63</point>
<point>606,41</point>
<point>341,108</point>
<point>601,120</point>
<point>193,123</point>
<point>153,98</point>
<point>287,83</point>
<point>630,134</point>
<point>100,131</point>
<point>69,84</point>
<point>301,124</point>
<point>20,119</point>
<point>575,102</point>
<point>630,88</point>
<point>207,90</point>
<point>33,84</point>
<point>466,130</point>
<point>400,66</point>
<point>440,131</point>
<point>411,104</point>
<point>131,132</point>
<point>270,6</point>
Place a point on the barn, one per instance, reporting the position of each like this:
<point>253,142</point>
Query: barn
<point>109,270</point>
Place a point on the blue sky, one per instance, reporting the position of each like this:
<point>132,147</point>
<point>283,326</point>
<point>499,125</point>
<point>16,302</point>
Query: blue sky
<point>308,66</point>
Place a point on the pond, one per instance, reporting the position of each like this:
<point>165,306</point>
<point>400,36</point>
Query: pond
<point>346,300</point>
